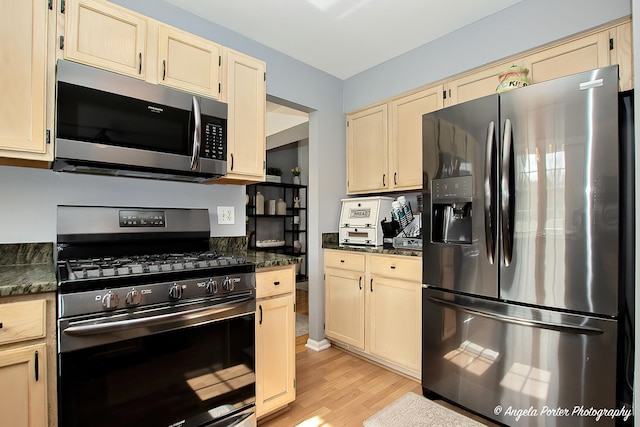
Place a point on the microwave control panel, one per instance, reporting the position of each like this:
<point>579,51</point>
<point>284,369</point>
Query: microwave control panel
<point>213,142</point>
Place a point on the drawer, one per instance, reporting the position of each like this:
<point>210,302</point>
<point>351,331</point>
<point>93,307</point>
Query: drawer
<point>22,321</point>
<point>397,267</point>
<point>344,260</point>
<point>275,280</point>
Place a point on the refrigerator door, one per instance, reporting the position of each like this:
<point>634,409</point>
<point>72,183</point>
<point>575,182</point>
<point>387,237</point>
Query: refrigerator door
<point>560,185</point>
<point>481,354</point>
<point>459,181</point>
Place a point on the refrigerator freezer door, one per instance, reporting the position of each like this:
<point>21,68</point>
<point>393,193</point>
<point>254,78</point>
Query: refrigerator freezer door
<point>560,140</point>
<point>481,354</point>
<point>459,217</point>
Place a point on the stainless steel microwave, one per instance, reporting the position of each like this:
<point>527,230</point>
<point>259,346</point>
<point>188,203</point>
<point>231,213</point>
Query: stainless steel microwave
<point>111,124</point>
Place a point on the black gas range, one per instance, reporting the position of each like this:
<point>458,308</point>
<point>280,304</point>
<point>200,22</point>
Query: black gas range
<point>140,293</point>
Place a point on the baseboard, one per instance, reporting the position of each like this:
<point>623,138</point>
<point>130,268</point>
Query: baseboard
<point>318,345</point>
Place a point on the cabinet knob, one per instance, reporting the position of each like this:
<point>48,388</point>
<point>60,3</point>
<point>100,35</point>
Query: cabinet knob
<point>276,283</point>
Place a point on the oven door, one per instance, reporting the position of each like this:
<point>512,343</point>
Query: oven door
<point>183,366</point>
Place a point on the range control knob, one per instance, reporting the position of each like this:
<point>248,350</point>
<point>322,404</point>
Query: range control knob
<point>133,298</point>
<point>227,284</point>
<point>110,300</point>
<point>175,291</point>
<point>211,287</point>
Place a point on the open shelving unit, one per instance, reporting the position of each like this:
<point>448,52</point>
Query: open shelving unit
<point>261,227</point>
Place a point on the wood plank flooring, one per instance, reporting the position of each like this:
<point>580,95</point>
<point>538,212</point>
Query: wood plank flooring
<point>336,388</point>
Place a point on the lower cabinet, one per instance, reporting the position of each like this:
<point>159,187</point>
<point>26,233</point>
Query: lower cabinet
<point>27,361</point>
<point>275,338</point>
<point>23,390</point>
<point>373,305</point>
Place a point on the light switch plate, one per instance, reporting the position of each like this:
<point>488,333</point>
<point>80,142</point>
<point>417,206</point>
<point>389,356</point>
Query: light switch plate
<point>226,215</point>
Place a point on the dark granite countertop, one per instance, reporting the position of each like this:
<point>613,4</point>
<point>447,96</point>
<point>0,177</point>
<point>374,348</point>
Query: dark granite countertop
<point>27,268</point>
<point>330,241</point>
<point>270,259</point>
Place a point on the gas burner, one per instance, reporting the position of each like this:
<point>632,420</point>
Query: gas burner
<point>143,264</point>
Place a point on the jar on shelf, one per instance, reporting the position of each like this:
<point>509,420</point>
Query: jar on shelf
<point>259,202</point>
<point>281,207</point>
<point>297,246</point>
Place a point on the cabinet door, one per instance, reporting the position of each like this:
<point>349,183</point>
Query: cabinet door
<point>367,157</point>
<point>405,145</point>
<point>586,53</point>
<point>344,306</point>
<point>622,53</point>
<point>247,99</point>
<point>23,77</point>
<point>188,62</point>
<point>106,36</point>
<point>275,353</point>
<point>476,85</point>
<point>23,395</point>
<point>395,328</point>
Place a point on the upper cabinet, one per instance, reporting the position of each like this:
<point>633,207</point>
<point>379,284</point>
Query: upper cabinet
<point>621,53</point>
<point>367,153</point>
<point>472,86</point>
<point>106,36</point>
<point>111,37</point>
<point>246,95</point>
<point>188,62</point>
<point>384,143</point>
<point>27,77</point>
<point>405,142</point>
<point>583,54</point>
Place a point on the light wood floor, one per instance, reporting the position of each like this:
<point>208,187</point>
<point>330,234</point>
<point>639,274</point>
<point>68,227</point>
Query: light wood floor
<point>338,389</point>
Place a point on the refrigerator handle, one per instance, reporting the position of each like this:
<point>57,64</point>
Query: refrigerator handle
<point>558,327</point>
<point>488,194</point>
<point>507,227</point>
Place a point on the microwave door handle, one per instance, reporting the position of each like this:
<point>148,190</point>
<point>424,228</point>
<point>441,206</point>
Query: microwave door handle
<point>197,132</point>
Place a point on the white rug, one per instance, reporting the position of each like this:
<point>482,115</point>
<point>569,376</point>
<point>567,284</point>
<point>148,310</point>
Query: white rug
<point>412,410</point>
<point>302,324</point>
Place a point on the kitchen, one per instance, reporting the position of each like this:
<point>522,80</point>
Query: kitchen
<point>34,194</point>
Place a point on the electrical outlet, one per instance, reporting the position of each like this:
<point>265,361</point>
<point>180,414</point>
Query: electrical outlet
<point>226,215</point>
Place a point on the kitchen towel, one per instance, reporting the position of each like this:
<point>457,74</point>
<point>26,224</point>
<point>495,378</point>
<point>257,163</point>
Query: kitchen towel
<point>412,410</point>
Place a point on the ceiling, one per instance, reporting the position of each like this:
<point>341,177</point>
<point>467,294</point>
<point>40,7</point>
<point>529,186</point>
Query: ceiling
<point>343,37</point>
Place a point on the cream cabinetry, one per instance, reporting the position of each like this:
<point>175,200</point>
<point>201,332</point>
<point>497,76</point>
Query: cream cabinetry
<point>621,53</point>
<point>472,86</point>
<point>405,142</point>
<point>384,143</point>
<point>106,36</point>
<point>188,62</point>
<point>583,54</point>
<point>24,370</point>
<point>111,37</point>
<point>27,77</point>
<point>246,94</point>
<point>373,305</point>
<point>344,279</point>
<point>367,154</point>
<point>275,338</point>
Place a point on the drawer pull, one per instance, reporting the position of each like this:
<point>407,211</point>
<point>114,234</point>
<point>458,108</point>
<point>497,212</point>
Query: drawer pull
<point>342,261</point>
<point>276,283</point>
<point>393,267</point>
<point>360,282</point>
<point>0,325</point>
<point>371,284</point>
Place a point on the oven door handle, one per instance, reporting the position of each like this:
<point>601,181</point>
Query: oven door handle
<point>119,325</point>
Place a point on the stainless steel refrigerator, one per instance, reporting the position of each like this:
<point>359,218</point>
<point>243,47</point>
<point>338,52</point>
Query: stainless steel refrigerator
<point>522,212</point>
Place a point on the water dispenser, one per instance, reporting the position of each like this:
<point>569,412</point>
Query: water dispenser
<point>451,210</point>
